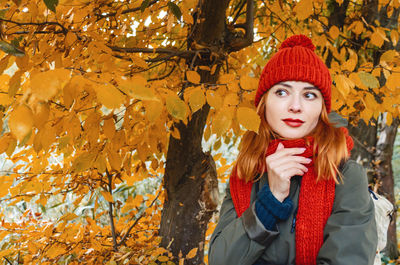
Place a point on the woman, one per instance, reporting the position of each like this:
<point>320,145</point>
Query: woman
<point>294,197</point>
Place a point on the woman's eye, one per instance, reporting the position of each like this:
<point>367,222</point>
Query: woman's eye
<point>280,92</point>
<point>310,95</point>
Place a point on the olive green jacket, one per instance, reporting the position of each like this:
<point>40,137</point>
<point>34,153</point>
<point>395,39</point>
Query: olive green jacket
<point>350,235</point>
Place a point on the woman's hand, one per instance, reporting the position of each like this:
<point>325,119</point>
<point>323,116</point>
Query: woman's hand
<point>282,166</point>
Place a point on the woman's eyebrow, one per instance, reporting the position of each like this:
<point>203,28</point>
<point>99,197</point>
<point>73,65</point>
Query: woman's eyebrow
<point>285,85</point>
<point>311,88</point>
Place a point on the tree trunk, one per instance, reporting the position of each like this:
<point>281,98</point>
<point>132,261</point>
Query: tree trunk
<point>192,190</point>
<point>190,177</point>
<point>374,148</point>
<point>364,146</point>
<point>384,175</point>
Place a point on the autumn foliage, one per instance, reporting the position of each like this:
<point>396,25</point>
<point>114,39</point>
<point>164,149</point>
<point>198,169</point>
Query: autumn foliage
<point>91,92</point>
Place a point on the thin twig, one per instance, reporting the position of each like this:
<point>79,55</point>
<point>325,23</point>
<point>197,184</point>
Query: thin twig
<point>110,213</point>
<point>35,24</point>
<point>129,10</point>
<point>137,220</point>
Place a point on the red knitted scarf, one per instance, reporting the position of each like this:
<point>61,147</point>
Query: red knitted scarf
<point>315,201</point>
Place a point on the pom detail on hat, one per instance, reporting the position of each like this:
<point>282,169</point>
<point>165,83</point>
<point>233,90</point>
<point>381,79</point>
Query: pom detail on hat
<point>298,40</point>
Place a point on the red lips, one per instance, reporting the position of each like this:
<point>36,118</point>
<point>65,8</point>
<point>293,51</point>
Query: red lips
<point>293,122</point>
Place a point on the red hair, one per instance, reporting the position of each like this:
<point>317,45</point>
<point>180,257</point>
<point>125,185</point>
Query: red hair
<point>331,142</point>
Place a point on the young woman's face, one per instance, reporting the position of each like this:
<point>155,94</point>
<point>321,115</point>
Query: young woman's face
<point>293,108</point>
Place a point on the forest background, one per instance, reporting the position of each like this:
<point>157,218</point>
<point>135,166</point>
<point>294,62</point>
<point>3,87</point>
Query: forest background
<point>122,118</point>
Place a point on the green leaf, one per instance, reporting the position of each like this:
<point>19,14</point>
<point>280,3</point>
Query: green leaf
<point>368,80</point>
<point>144,5</point>
<point>51,4</point>
<point>175,10</point>
<point>10,49</point>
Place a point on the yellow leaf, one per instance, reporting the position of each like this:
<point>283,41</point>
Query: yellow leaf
<point>68,217</point>
<point>109,128</point>
<point>388,56</point>
<point>192,253</point>
<point>394,36</point>
<point>357,27</point>
<point>222,120</point>
<point>393,81</point>
<point>231,99</point>
<point>83,162</point>
<point>304,9</point>
<point>139,61</point>
<point>248,118</point>
<point>109,96</point>
<point>213,99</point>
<point>6,182</point>
<point>115,159</point>
<point>6,252</point>
<point>344,85</point>
<point>163,258</point>
<point>389,118</point>
<point>136,88</point>
<point>176,107</point>
<point>55,250</point>
<point>197,100</point>
<point>349,65</point>
<point>378,37</point>
<point>187,17</point>
<point>21,122</point>
<point>357,81</point>
<point>226,78</point>
<point>175,133</point>
<point>45,85</point>
<point>193,77</point>
<point>107,196</point>
<point>4,62</point>
<point>14,84</point>
<point>101,163</point>
<point>153,110</point>
<point>70,38</point>
<point>248,83</point>
<point>5,99</point>
<point>334,32</point>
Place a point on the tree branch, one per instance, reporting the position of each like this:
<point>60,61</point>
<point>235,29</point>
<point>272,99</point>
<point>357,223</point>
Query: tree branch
<point>110,213</point>
<point>64,30</point>
<point>239,43</point>
<point>239,11</point>
<point>129,10</point>
<point>136,221</point>
<point>171,52</point>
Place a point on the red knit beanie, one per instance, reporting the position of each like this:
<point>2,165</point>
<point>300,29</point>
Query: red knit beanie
<point>296,61</point>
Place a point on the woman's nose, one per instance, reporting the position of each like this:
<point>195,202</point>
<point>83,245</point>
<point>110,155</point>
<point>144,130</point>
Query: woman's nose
<point>295,105</point>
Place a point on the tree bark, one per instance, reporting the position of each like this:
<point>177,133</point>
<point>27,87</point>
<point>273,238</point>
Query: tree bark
<point>384,176</point>
<point>190,177</point>
<point>192,190</point>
